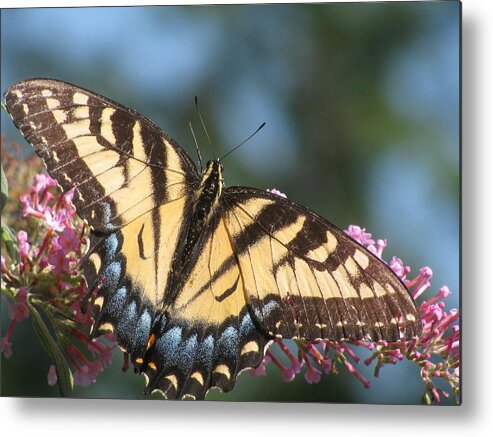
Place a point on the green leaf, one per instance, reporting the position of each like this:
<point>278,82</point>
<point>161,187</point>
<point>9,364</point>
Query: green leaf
<point>426,399</point>
<point>4,189</point>
<point>64,375</point>
<point>11,244</point>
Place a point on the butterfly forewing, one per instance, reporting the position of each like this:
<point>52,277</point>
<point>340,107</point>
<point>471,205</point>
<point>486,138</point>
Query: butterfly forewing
<point>314,281</point>
<point>120,164</point>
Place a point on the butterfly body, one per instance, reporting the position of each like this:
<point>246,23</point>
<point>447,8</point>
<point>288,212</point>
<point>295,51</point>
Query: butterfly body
<point>196,279</point>
<point>206,200</point>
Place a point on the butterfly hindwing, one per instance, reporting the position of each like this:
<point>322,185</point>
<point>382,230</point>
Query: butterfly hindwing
<point>211,335</point>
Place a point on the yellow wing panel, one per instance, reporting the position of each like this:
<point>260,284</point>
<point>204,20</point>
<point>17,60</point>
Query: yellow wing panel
<point>214,290</point>
<point>143,253</point>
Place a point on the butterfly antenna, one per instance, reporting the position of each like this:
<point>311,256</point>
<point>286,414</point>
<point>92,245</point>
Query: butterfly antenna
<point>196,146</point>
<point>203,126</point>
<point>243,142</point>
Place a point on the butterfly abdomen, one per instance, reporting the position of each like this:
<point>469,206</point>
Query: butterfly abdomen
<point>206,201</point>
<point>202,220</point>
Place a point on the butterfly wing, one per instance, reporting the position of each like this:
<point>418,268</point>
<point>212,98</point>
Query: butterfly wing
<point>208,334</point>
<point>107,152</point>
<point>269,268</point>
<point>133,184</point>
<point>305,278</point>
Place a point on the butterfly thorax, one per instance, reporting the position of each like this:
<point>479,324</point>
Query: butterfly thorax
<point>209,191</point>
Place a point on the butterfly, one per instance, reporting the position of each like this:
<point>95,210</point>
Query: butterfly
<point>196,279</point>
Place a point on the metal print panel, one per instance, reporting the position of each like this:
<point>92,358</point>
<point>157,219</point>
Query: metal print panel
<point>248,202</point>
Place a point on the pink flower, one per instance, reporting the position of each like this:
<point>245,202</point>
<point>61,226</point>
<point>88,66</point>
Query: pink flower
<point>398,267</point>
<point>260,370</point>
<point>42,182</point>
<point>43,262</point>
<point>66,201</point>
<point>101,352</point>
<point>55,221</point>
<point>5,347</point>
<point>19,310</point>
<point>312,375</point>
<point>52,376</point>
<point>378,248</point>
<point>36,201</point>
<point>444,292</point>
<point>55,243</point>
<point>59,261</point>
<point>25,201</point>
<point>422,282</point>
<point>21,296</point>
<point>359,234</point>
<point>30,206</point>
<point>288,374</point>
<point>276,192</point>
<point>68,240</point>
<point>80,317</point>
<point>82,376</point>
<point>87,373</point>
<point>24,246</point>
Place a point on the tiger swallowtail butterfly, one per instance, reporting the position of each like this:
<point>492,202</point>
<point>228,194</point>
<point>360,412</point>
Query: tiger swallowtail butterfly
<point>196,278</point>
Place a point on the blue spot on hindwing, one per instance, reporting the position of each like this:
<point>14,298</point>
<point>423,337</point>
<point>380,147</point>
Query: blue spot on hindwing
<point>269,307</point>
<point>187,353</point>
<point>110,275</point>
<point>206,352</point>
<point>263,311</point>
<point>110,246</point>
<point>246,326</point>
<point>258,314</point>
<point>142,330</point>
<point>106,212</point>
<point>126,326</point>
<point>116,302</point>
<point>228,342</point>
<point>167,344</point>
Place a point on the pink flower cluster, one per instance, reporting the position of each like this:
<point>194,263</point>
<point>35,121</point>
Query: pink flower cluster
<point>46,275</point>
<point>436,352</point>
